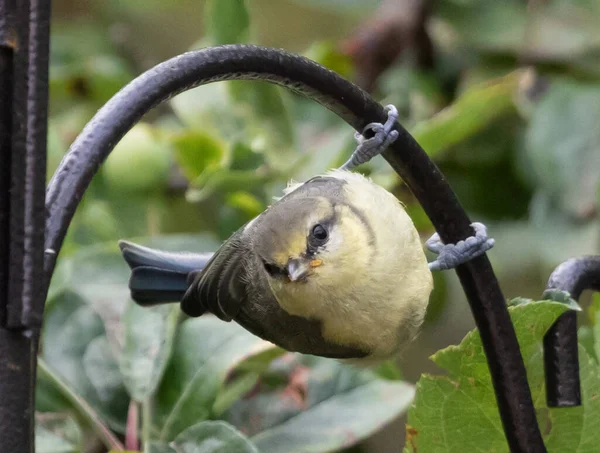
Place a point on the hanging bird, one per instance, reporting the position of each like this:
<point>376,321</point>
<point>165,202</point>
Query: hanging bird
<point>334,268</point>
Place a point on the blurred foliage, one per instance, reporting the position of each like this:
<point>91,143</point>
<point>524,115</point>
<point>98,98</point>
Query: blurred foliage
<point>508,111</point>
<point>102,353</point>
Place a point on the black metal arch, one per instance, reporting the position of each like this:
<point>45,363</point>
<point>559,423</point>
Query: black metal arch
<point>356,107</point>
<point>561,361</point>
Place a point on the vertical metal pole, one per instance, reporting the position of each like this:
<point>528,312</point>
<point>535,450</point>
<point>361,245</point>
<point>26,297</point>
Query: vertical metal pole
<point>6,55</point>
<point>17,387</point>
<point>24,52</point>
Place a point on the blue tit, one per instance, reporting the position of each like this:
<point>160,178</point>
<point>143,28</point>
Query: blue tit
<point>334,268</point>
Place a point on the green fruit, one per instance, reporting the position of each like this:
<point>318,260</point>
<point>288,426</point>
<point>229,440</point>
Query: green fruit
<point>139,163</point>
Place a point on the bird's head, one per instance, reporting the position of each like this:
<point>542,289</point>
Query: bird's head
<point>312,241</point>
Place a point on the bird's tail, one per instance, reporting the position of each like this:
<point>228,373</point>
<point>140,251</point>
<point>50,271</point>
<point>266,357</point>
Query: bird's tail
<point>160,277</point>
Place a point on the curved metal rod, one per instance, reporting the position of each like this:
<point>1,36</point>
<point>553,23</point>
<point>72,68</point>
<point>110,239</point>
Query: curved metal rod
<point>576,275</point>
<point>357,108</point>
<point>561,359</point>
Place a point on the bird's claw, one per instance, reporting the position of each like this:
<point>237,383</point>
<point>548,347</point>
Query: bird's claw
<point>452,255</point>
<point>383,136</point>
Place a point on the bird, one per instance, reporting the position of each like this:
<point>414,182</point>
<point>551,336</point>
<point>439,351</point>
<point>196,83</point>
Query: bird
<point>334,268</point>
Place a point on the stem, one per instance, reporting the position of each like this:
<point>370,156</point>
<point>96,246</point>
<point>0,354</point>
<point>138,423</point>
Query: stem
<point>84,410</point>
<point>146,424</point>
<point>131,431</point>
<point>153,218</point>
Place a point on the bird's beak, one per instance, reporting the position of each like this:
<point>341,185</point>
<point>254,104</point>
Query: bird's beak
<point>298,269</point>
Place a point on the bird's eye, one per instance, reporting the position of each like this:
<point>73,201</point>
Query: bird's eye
<point>319,235</point>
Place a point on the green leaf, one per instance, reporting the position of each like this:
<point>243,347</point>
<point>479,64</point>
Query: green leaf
<point>48,442</point>
<point>57,433</point>
<point>191,243</point>
<point>487,25</point>
<point>148,338</point>
<point>196,150</point>
<point>222,180</point>
<point>243,157</point>
<point>56,148</point>
<point>60,281</point>
<point>389,370</point>
<point>70,327</point>
<point>329,54</point>
<point>227,21</point>
<point>595,328</point>
<point>84,66</point>
<point>266,108</point>
<point>585,336</point>
<point>575,429</point>
<point>234,391</point>
<point>208,107</point>
<point>48,399</point>
<point>100,275</point>
<point>78,320</point>
<point>594,309</point>
<point>158,447</point>
<point>323,406</point>
<point>248,112</point>
<point>245,202</point>
<point>556,33</point>
<point>438,299</point>
<point>204,352</point>
<point>471,112</point>
<point>466,396</point>
<point>102,370</point>
<point>358,7</point>
<point>98,217</point>
<point>213,437</point>
<point>330,149</point>
<point>256,360</point>
<point>244,375</point>
<point>417,94</point>
<point>80,407</point>
<point>562,145</point>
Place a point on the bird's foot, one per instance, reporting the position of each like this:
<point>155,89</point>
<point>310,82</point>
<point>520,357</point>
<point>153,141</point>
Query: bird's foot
<point>381,136</point>
<point>452,255</point>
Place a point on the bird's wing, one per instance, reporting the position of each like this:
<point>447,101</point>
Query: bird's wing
<point>221,287</point>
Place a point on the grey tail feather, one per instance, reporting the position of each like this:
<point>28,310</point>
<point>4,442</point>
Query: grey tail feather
<point>160,277</point>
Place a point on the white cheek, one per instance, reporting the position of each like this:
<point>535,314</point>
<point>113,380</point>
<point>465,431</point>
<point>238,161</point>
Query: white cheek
<point>336,239</point>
